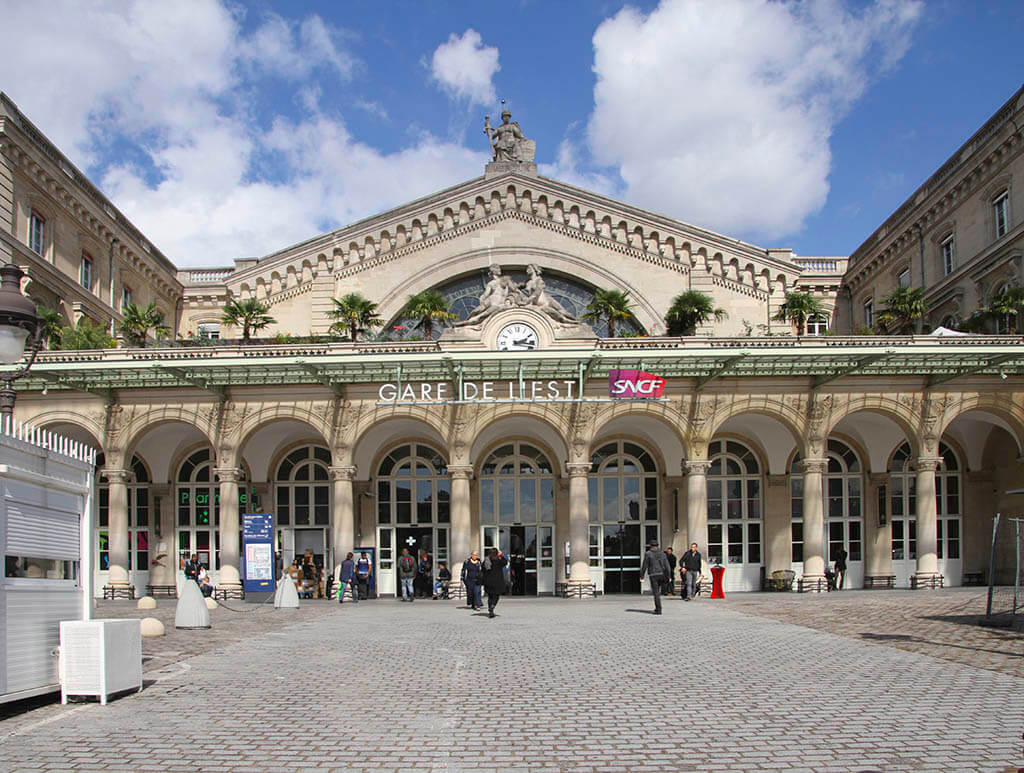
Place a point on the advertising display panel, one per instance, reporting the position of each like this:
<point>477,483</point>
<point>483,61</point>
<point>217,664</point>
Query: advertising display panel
<point>258,554</point>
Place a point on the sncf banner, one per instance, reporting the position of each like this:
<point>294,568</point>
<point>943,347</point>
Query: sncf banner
<point>634,383</point>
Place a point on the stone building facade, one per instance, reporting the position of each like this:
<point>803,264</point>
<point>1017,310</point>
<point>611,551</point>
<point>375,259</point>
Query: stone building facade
<point>522,427</point>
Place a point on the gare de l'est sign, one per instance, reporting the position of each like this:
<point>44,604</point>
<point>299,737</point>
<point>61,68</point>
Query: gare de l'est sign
<point>622,384</point>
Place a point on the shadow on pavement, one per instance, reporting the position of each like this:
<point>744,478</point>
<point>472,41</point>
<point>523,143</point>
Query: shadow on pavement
<point>641,611</point>
<point>883,637</point>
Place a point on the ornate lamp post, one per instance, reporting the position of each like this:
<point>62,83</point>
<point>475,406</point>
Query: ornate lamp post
<point>18,321</point>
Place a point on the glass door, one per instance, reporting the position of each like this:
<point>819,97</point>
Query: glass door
<point>530,553</point>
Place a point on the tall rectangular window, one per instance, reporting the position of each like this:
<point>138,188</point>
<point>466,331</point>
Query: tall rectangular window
<point>126,296</point>
<point>869,312</point>
<point>903,280</point>
<point>1001,211</point>
<point>948,256</point>
<point>85,272</point>
<point>37,233</point>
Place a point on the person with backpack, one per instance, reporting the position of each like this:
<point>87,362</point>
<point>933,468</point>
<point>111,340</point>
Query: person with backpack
<point>407,574</point>
<point>347,579</point>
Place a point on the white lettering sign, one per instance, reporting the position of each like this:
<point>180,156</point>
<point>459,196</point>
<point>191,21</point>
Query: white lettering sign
<point>478,391</point>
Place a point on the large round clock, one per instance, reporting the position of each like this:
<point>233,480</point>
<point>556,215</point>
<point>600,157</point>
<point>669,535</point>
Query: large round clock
<point>517,337</point>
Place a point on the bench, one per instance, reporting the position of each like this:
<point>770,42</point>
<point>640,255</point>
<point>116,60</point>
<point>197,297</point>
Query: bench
<point>872,581</point>
<point>168,591</point>
<point>973,578</point>
<point>780,580</point>
<point>578,589</point>
<point>700,586</point>
<point>812,585</point>
<point>118,592</point>
<point>229,592</point>
<point>932,581</point>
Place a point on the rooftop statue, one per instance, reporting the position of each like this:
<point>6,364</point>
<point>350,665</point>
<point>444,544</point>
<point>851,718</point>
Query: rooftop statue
<point>508,144</point>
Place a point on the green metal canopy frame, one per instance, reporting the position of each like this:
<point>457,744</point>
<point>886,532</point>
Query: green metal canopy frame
<point>820,360</point>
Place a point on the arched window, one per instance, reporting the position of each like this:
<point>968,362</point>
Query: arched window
<point>947,504</point>
<point>903,505</point>
<point>817,324</point>
<point>734,504</point>
<point>624,505</point>
<point>413,487</point>
<point>303,487</point>
<point>517,485</point>
<point>198,502</point>
<point>138,516</point>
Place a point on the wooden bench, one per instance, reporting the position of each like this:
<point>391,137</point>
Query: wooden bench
<point>812,585</point>
<point>872,581</point>
<point>973,578</point>
<point>578,589</point>
<point>934,581</point>
<point>118,592</point>
<point>168,591</point>
<point>229,592</point>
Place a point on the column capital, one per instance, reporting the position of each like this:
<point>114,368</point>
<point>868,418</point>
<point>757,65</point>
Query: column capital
<point>117,476</point>
<point>343,472</point>
<point>228,474</point>
<point>813,465</point>
<point>695,466</point>
<point>461,471</point>
<point>577,469</point>
<point>927,463</point>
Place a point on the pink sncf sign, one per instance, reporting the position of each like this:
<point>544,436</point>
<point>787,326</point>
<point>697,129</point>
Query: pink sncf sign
<point>634,383</point>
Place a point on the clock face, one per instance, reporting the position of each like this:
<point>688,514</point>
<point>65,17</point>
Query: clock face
<point>517,337</point>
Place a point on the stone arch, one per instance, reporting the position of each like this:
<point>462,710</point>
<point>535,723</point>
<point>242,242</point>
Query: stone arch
<point>87,431</point>
<point>376,435</point>
<point>906,418</point>
<point>876,450</point>
<point>790,417</point>
<point>202,418</point>
<point>238,437</point>
<point>544,429</point>
<point>1009,412</point>
<point>655,426</point>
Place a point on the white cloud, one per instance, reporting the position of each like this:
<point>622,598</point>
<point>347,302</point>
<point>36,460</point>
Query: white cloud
<point>171,79</point>
<point>465,67</point>
<point>720,113</point>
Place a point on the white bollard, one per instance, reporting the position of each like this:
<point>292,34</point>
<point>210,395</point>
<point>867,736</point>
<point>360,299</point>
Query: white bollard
<point>191,611</point>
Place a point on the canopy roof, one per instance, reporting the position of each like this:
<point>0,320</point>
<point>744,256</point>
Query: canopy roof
<point>703,359</point>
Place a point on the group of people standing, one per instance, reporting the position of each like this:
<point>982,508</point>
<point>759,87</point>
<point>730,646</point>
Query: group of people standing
<point>354,578</point>
<point>487,575</point>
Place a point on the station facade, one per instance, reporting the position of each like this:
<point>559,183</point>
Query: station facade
<point>524,427</point>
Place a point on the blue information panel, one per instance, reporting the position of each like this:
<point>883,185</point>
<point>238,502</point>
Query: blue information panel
<point>258,552</point>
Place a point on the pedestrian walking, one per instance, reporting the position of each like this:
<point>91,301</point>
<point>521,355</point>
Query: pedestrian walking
<point>494,578</point>
<point>840,567</point>
<point>670,580</point>
<point>424,575</point>
<point>407,575</point>
<point>655,566</point>
<point>690,571</point>
<point>472,576</point>
<point>364,572</point>
<point>347,580</point>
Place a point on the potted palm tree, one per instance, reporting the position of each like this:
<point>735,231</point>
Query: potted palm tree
<point>905,310</point>
<point>354,313</point>
<point>136,322</point>
<point>612,306</point>
<point>85,335</point>
<point>796,308</point>
<point>690,309</point>
<point>249,314</point>
<point>1008,303</point>
<point>429,307</point>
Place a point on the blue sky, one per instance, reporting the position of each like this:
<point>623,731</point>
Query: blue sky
<point>228,130</point>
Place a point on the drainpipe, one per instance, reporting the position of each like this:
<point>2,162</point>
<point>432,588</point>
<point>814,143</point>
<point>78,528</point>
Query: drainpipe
<point>110,273</point>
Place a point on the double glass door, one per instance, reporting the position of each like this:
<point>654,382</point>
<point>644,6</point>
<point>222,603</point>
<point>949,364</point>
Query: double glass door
<point>620,551</point>
<point>530,553</point>
<point>390,542</point>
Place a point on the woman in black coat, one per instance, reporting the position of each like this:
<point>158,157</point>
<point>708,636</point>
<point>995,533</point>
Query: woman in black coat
<point>494,578</point>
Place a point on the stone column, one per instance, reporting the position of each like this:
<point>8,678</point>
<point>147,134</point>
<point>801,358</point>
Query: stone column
<point>814,519</point>
<point>696,472</point>
<point>230,564</point>
<point>877,536</point>
<point>163,549</point>
<point>579,523</point>
<point>778,532</point>
<point>460,540</point>
<point>927,519</point>
<point>344,533</point>
<point>117,525</point>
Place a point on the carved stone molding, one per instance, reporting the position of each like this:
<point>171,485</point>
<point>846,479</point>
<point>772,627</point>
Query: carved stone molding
<point>577,469</point>
<point>228,474</point>
<point>695,466</point>
<point>461,471</point>
<point>342,473</point>
<point>925,463</point>
<point>813,465</point>
<point>117,476</point>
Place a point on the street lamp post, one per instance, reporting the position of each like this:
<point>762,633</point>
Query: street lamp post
<point>18,321</point>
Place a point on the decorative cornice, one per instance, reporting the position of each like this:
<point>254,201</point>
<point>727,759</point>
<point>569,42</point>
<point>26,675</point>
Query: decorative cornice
<point>460,471</point>
<point>813,465</point>
<point>695,467</point>
<point>927,463</point>
<point>342,473</point>
<point>578,469</point>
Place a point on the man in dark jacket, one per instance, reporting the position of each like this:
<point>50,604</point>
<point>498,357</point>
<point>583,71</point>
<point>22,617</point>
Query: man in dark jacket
<point>655,566</point>
<point>670,579</point>
<point>406,574</point>
<point>691,561</point>
<point>347,580</point>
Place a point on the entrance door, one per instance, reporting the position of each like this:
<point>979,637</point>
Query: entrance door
<point>311,540</point>
<point>623,554</point>
<point>415,540</point>
<point>530,553</point>
<point>904,550</point>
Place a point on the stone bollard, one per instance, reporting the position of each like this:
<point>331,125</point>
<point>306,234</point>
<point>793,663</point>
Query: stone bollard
<point>286,596</point>
<point>151,628</point>
<point>146,602</point>
<point>192,611</point>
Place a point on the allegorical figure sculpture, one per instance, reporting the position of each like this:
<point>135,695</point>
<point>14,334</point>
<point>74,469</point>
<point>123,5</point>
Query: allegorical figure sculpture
<point>502,293</point>
<point>507,140</point>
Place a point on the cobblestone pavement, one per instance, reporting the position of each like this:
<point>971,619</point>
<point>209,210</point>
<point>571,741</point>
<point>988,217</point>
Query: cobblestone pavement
<point>550,685</point>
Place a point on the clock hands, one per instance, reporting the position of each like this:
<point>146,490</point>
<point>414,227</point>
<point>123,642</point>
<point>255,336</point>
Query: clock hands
<point>525,342</point>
